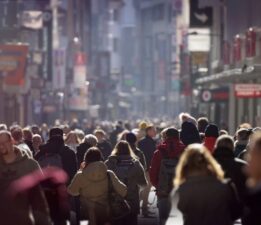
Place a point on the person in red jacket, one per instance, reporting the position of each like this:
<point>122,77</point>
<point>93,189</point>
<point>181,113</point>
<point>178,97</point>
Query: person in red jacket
<point>211,135</point>
<point>169,151</point>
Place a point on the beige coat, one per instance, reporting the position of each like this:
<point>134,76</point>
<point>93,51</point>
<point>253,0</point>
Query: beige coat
<point>91,185</point>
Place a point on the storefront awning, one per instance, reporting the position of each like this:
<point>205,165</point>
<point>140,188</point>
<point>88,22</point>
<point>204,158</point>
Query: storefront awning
<point>232,76</point>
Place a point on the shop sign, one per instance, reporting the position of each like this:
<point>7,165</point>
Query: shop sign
<point>13,64</point>
<point>248,90</point>
<point>214,95</point>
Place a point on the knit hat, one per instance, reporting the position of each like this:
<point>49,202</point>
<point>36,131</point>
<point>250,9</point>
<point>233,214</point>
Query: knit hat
<point>131,138</point>
<point>56,131</point>
<point>211,131</point>
<point>189,133</point>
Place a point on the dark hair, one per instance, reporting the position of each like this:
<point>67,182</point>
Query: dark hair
<point>172,133</point>
<point>93,154</point>
<point>202,124</point>
<point>131,138</point>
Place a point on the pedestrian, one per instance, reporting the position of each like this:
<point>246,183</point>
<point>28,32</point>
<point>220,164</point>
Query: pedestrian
<point>28,137</point>
<point>103,144</point>
<point>131,138</point>
<point>148,146</point>
<point>72,140</point>
<point>55,146</point>
<point>17,134</point>
<point>203,196</point>
<point>253,198</point>
<point>164,162</point>
<point>114,134</point>
<point>211,135</point>
<point>202,124</point>
<point>129,170</point>
<point>22,209</point>
<point>91,185</point>
<point>37,142</point>
<point>56,154</point>
<point>89,141</point>
<point>232,166</point>
<point>189,134</point>
<point>242,138</point>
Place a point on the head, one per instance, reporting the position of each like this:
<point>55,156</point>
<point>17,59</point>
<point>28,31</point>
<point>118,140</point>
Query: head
<point>225,141</point>
<point>6,143</point>
<point>131,138</point>
<point>243,134</point>
<point>3,126</point>
<point>142,125</point>
<point>17,134</point>
<point>245,125</point>
<point>202,124</point>
<point>163,134</point>
<point>212,131</point>
<point>186,117</point>
<point>197,161</point>
<point>37,141</point>
<point>254,159</point>
<point>172,133</point>
<point>93,154</point>
<point>223,132</point>
<point>189,133</point>
<point>27,134</point>
<point>66,129</point>
<point>55,131</point>
<point>122,135</point>
<point>123,148</point>
<point>91,140</point>
<point>35,129</point>
<point>100,134</point>
<point>72,138</point>
<point>151,131</point>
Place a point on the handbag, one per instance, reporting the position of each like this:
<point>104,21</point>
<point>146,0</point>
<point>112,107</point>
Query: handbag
<point>119,207</point>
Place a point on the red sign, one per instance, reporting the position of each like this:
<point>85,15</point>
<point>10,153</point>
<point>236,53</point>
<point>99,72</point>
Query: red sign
<point>13,64</point>
<point>215,95</point>
<point>248,90</point>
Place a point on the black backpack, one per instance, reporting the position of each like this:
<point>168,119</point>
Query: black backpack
<point>166,174</point>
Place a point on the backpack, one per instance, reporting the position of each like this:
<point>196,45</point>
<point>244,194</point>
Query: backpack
<point>122,168</point>
<point>166,174</point>
<point>50,160</point>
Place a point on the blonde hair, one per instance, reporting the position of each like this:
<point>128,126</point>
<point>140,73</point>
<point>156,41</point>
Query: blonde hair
<point>72,138</point>
<point>123,148</point>
<point>196,158</point>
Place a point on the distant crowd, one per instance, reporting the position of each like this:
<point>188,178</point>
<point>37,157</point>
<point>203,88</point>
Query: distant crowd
<point>104,173</point>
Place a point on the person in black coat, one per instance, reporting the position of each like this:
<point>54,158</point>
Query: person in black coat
<point>189,133</point>
<point>55,144</point>
<point>233,167</point>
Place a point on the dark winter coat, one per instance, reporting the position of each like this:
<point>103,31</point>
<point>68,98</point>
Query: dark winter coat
<point>148,146</point>
<point>135,178</point>
<point>252,201</point>
<point>240,146</point>
<point>80,151</point>
<point>56,145</point>
<point>205,200</point>
<point>105,148</point>
<point>233,168</point>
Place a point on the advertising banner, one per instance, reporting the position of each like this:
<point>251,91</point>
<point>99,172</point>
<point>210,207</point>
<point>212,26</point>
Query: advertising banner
<point>248,90</point>
<point>13,64</point>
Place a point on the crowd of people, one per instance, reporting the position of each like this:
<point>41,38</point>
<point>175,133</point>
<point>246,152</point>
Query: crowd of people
<point>69,172</point>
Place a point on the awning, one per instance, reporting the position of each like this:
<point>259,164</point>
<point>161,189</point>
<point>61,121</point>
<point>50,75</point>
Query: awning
<point>232,76</point>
